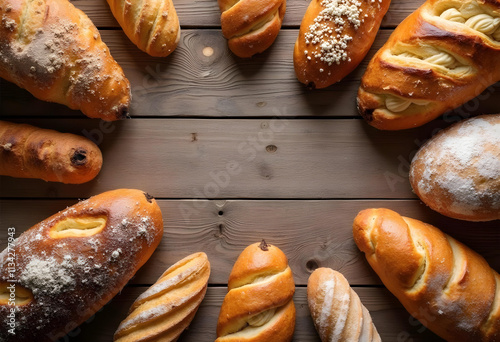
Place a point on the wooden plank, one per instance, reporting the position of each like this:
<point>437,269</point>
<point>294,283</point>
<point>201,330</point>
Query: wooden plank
<point>230,158</point>
<point>205,13</point>
<point>312,233</point>
<point>392,321</point>
<point>189,83</point>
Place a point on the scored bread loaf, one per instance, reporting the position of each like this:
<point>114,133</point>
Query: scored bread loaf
<point>152,25</point>
<point>334,37</point>
<point>166,309</point>
<point>443,55</point>
<point>336,310</point>
<point>259,303</point>
<point>457,172</point>
<point>30,152</point>
<point>451,289</point>
<point>54,51</point>
<point>251,26</point>
<point>71,264</point>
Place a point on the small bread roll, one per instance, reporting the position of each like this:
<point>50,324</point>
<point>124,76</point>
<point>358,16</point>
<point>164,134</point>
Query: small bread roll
<point>457,172</point>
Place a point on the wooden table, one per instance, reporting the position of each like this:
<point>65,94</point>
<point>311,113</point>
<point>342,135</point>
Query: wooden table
<point>302,164</point>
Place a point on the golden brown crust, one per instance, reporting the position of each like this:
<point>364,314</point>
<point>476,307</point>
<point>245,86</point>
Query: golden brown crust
<point>258,305</point>
<point>442,55</point>
<point>107,239</point>
<point>434,276</point>
<point>322,58</point>
<point>152,25</point>
<point>54,51</point>
<point>30,152</point>
<point>251,26</point>
<point>457,172</point>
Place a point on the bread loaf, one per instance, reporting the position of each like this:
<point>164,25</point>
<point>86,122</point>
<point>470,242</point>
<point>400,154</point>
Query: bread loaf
<point>152,25</point>
<point>251,26</point>
<point>334,37</point>
<point>451,289</point>
<point>54,51</point>
<point>168,307</point>
<point>457,172</point>
<point>336,309</point>
<point>65,268</point>
<point>443,55</point>
<point>31,152</point>
<point>259,304</point>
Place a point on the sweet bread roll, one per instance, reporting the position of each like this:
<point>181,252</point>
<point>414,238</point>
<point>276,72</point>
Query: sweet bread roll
<point>443,55</point>
<point>64,269</point>
<point>334,37</point>
<point>54,51</point>
<point>251,26</point>
<point>31,152</point>
<point>259,303</point>
<point>457,172</point>
<point>152,25</point>
<point>451,289</point>
<point>337,312</point>
<point>168,307</point>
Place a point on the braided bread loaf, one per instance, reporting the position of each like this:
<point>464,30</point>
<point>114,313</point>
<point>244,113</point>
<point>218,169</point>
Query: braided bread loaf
<point>258,305</point>
<point>441,56</point>
<point>251,26</point>
<point>168,307</point>
<point>451,289</point>
<point>152,25</point>
<point>54,51</point>
<point>336,310</point>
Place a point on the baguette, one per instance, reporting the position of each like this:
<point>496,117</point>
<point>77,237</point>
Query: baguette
<point>166,309</point>
<point>457,172</point>
<point>65,268</point>
<point>251,26</point>
<point>334,37</point>
<point>152,25</point>
<point>54,51</point>
<point>259,303</point>
<point>31,152</point>
<point>336,310</point>
<point>451,289</point>
<point>443,55</point>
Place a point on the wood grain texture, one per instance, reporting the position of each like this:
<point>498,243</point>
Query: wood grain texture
<point>189,83</point>
<point>314,233</point>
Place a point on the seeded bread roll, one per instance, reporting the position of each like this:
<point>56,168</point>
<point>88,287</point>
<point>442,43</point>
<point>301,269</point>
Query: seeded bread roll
<point>457,172</point>
<point>334,37</point>
<point>65,268</point>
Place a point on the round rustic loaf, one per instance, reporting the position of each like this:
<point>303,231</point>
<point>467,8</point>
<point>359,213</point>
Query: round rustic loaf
<point>457,172</point>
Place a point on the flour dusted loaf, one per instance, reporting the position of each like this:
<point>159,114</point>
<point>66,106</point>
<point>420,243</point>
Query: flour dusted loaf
<point>168,307</point>
<point>71,264</point>
<point>443,55</point>
<point>259,303</point>
<point>334,37</point>
<point>336,310</point>
<point>54,51</point>
<point>457,172</point>
<point>451,289</point>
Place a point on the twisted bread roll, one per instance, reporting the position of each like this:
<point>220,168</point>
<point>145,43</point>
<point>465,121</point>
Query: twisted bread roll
<point>251,26</point>
<point>441,56</point>
<point>54,51</point>
<point>68,266</point>
<point>167,307</point>
<point>336,310</point>
<point>451,289</point>
<point>334,37</point>
<point>258,305</point>
<point>457,172</point>
<point>152,25</point>
<point>31,152</point>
